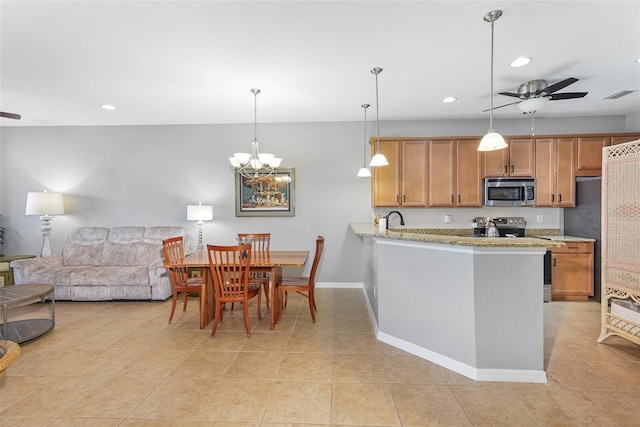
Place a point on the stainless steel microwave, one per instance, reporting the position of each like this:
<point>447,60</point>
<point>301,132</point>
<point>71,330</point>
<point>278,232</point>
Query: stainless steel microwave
<point>509,191</point>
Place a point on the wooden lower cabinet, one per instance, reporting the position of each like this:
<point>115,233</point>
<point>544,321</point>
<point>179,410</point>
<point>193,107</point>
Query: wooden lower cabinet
<point>572,272</point>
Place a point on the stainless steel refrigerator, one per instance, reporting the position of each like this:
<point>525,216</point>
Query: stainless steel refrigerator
<point>585,220</point>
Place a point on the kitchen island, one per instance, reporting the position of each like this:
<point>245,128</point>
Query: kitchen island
<point>473,305</point>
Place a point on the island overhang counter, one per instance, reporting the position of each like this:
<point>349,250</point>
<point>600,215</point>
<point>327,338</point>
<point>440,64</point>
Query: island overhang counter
<point>471,305</point>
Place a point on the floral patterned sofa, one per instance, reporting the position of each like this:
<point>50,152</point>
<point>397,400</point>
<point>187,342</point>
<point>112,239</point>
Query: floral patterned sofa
<point>101,264</point>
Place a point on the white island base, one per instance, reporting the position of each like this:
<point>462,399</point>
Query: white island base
<point>474,310</point>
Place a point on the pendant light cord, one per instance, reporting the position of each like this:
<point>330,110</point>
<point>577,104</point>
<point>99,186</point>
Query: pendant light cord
<point>491,97</point>
<point>377,114</point>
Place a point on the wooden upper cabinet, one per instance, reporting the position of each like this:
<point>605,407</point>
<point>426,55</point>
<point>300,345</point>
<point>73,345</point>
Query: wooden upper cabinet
<point>455,173</point>
<point>469,173</point>
<point>385,180</point>
<point>404,181</point>
<point>518,159</point>
<point>615,140</point>
<point>414,173</point>
<point>589,155</point>
<point>442,171</point>
<point>555,178</point>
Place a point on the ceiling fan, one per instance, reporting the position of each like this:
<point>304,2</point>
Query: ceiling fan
<point>10,115</point>
<point>535,94</point>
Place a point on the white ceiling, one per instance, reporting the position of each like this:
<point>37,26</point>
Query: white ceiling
<point>179,62</point>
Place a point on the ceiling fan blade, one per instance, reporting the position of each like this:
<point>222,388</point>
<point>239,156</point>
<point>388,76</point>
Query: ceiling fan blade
<point>557,86</point>
<point>568,95</point>
<point>505,105</point>
<point>10,115</point>
<point>515,95</point>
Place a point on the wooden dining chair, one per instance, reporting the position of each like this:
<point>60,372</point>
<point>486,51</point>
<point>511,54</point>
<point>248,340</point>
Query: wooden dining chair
<point>258,242</point>
<point>304,285</point>
<point>173,250</point>
<point>229,267</point>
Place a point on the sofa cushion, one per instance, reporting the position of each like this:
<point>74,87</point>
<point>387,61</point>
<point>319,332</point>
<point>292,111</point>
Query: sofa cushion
<point>84,246</point>
<point>125,234</point>
<point>132,254</point>
<point>110,276</point>
<point>158,234</point>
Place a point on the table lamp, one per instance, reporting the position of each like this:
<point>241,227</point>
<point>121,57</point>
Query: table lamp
<point>45,204</point>
<point>199,213</point>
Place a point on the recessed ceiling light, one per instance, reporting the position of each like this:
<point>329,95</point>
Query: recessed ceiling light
<point>449,99</point>
<point>638,60</point>
<point>108,107</point>
<point>520,62</point>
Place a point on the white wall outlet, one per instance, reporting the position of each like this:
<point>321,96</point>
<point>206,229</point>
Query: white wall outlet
<point>447,219</point>
<point>540,219</point>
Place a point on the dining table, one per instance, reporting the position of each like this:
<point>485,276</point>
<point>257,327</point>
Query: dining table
<point>270,262</point>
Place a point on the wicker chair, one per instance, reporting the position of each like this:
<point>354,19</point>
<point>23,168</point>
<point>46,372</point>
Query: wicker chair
<point>229,267</point>
<point>303,285</point>
<point>180,281</point>
<point>9,352</point>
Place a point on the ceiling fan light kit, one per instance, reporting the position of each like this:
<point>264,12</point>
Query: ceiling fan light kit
<point>492,140</point>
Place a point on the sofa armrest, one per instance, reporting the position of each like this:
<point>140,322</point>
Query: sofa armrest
<point>22,268</point>
<point>156,271</point>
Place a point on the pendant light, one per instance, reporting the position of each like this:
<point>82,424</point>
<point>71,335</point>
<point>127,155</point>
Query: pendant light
<point>379,159</point>
<point>364,171</point>
<point>492,140</point>
<point>255,164</point>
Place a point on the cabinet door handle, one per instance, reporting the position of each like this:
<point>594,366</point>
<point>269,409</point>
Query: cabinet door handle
<point>572,247</point>
<point>553,198</point>
<point>512,169</point>
<point>452,198</point>
<point>554,262</point>
<point>458,198</point>
<point>559,198</point>
<point>505,169</point>
<point>404,198</point>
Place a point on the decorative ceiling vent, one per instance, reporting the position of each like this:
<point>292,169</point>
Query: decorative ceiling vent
<point>619,94</point>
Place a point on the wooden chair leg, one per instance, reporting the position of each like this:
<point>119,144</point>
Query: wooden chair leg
<point>216,320</point>
<point>173,306</point>
<point>186,300</point>
<point>245,308</point>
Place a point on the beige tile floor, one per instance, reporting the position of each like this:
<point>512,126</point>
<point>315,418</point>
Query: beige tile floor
<point>121,364</point>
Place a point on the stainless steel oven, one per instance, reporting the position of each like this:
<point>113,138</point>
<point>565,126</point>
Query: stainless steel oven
<point>509,191</point>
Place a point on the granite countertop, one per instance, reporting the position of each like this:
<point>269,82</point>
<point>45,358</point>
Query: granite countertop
<point>565,238</point>
<point>453,237</point>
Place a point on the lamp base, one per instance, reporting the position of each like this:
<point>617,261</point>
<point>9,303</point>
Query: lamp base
<point>46,232</point>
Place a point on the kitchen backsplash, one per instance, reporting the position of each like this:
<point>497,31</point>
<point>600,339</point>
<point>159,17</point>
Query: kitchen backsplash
<point>460,218</point>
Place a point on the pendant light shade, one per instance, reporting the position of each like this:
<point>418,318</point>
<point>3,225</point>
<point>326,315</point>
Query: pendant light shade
<point>378,159</point>
<point>364,171</point>
<point>492,140</point>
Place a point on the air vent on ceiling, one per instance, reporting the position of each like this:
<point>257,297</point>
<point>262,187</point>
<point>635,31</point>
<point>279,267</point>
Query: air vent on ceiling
<point>619,94</point>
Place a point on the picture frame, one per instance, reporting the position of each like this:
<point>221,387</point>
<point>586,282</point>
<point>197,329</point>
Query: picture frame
<point>272,195</point>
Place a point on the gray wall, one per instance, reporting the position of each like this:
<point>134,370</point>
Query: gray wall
<point>147,175</point>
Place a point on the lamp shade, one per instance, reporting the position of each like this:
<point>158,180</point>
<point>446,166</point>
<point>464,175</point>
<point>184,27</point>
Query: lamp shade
<point>199,212</point>
<point>44,203</point>
<point>492,141</point>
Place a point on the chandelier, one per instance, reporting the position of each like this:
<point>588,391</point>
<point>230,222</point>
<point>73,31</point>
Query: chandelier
<point>255,164</point>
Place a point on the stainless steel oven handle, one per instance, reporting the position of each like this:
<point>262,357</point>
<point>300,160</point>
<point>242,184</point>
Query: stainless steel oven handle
<point>524,194</point>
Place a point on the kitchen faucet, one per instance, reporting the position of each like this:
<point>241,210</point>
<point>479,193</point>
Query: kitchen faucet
<point>399,214</point>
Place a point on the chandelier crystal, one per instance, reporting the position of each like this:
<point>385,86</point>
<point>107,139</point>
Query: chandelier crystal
<point>255,164</point>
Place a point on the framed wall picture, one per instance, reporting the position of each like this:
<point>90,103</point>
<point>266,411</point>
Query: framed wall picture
<point>272,195</point>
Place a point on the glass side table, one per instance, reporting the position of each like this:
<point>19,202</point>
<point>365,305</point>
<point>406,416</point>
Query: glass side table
<point>24,330</point>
